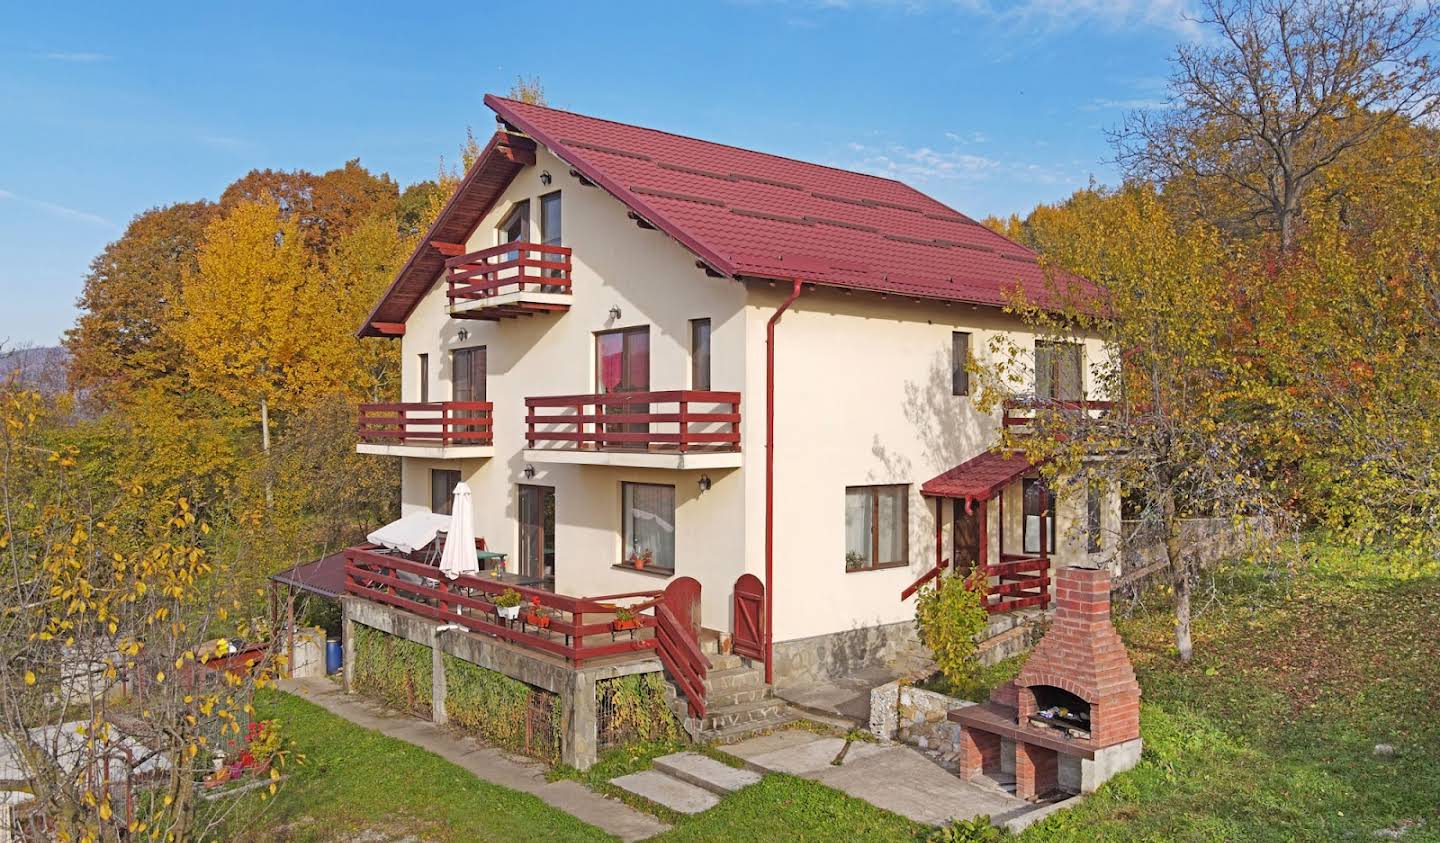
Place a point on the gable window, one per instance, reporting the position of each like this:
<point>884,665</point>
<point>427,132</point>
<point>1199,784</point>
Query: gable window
<point>647,521</point>
<point>876,527</point>
<point>1039,509</point>
<point>424,378</point>
<point>700,354</point>
<point>515,227</point>
<point>1092,518</point>
<point>442,490</point>
<point>550,235</point>
<point>1059,371</point>
<point>959,358</point>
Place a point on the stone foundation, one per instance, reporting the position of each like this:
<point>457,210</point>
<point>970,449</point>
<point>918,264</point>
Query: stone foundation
<point>904,713</point>
<point>803,661</point>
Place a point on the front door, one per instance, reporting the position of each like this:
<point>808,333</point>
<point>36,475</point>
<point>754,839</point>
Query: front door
<point>622,364</point>
<point>966,529</point>
<point>537,534</point>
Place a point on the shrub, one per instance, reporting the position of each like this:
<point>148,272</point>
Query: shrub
<point>950,615</point>
<point>973,830</point>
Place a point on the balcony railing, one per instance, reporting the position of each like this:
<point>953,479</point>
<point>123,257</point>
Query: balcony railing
<point>1021,412</point>
<point>430,423</point>
<point>674,421</point>
<point>508,268</point>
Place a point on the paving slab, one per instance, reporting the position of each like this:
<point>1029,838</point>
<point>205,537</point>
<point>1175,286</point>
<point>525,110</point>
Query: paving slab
<point>894,777</point>
<point>666,790</point>
<point>845,697</point>
<point>704,771</point>
<point>483,762</point>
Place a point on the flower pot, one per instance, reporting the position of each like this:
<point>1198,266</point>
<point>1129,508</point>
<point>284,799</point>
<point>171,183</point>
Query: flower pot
<point>509,613</point>
<point>542,621</point>
<point>619,624</point>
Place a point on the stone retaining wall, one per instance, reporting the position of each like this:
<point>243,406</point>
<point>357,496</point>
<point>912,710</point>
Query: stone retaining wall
<point>901,712</point>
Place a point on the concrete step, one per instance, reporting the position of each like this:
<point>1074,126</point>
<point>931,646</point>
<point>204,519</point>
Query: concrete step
<point>736,696</point>
<point>703,771</point>
<point>730,734</point>
<point>727,662</point>
<point>734,679</point>
<point>662,789</point>
<point>734,715</point>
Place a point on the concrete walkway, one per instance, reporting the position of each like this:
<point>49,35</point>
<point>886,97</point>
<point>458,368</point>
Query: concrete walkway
<point>486,763</point>
<point>894,777</point>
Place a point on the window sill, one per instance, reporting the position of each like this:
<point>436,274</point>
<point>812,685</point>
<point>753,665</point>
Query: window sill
<point>662,573</point>
<point>881,567</point>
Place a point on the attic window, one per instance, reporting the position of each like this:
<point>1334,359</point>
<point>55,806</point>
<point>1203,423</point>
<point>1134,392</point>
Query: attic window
<point>515,228</point>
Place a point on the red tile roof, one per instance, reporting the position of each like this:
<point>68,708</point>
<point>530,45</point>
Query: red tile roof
<point>979,478</point>
<point>752,214</point>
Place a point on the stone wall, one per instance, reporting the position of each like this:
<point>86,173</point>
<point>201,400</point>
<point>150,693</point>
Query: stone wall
<point>901,712</point>
<point>804,661</point>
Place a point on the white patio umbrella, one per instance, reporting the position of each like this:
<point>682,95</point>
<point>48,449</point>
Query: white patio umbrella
<point>459,555</point>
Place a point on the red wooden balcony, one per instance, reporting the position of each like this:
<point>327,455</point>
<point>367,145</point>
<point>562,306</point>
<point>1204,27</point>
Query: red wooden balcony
<point>509,280</point>
<point>1022,412</point>
<point>680,428</point>
<point>431,428</point>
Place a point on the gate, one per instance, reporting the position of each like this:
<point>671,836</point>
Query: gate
<point>749,622</point>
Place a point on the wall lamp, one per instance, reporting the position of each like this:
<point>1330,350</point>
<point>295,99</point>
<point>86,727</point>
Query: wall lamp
<point>704,483</point>
<point>615,313</point>
<point>529,472</point>
<point>463,334</point>
<point>545,177</point>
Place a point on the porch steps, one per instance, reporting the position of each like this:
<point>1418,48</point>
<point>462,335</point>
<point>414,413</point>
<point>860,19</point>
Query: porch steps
<point>686,782</point>
<point>737,700</point>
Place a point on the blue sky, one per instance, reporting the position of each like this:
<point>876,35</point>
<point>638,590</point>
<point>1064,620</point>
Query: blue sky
<point>108,109</point>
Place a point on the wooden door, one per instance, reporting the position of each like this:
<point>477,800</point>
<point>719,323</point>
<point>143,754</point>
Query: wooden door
<point>537,534</point>
<point>749,620</point>
<point>966,538</point>
<point>467,374</point>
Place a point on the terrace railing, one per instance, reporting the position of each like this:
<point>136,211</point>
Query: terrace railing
<point>442,423</point>
<point>678,420</point>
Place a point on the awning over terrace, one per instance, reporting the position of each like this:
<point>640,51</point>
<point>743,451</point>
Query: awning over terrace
<point>324,577</point>
<point>979,478</point>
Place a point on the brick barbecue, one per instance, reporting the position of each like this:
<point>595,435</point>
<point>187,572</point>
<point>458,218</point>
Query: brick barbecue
<point>1071,719</point>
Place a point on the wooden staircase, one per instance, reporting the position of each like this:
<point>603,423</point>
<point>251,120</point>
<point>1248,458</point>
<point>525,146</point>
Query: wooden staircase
<point>737,700</point>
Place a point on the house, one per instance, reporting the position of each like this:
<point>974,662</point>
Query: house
<point>667,365</point>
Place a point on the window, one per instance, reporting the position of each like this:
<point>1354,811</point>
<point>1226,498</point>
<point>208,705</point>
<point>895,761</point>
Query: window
<point>468,374</point>
<point>424,378</point>
<point>876,527</point>
<point>516,225</point>
<point>647,514</point>
<point>442,489</point>
<point>700,354</point>
<point>1059,371</point>
<point>959,357</point>
<point>1092,519</point>
<point>550,235</point>
<point>1039,506</point>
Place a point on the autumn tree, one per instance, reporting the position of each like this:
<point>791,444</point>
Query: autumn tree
<point>120,340</point>
<point>261,326</point>
<point>528,89</point>
<point>1178,436</point>
<point>1282,91</point>
<point>323,207</point>
<point>109,620</point>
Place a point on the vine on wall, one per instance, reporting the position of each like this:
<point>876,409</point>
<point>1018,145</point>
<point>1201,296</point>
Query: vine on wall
<point>396,671</point>
<point>634,708</point>
<point>502,711</point>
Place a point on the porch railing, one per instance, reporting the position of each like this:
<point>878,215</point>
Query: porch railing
<point>510,267</point>
<point>427,423</point>
<point>580,628</point>
<point>617,421</point>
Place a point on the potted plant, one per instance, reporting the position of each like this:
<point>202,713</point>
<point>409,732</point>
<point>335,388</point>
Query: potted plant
<point>625,618</point>
<point>854,561</point>
<point>507,604</point>
<point>641,559</point>
<point>537,615</point>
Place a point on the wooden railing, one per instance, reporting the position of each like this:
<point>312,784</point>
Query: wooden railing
<point>1023,581</point>
<point>924,578</point>
<point>511,267</point>
<point>580,628</point>
<point>427,423</point>
<point>1020,412</point>
<point>680,653</point>
<point>620,421</point>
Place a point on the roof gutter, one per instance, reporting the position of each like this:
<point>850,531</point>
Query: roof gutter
<point>770,479</point>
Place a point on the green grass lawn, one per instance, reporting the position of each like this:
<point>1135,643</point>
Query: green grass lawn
<point>356,779</point>
<point>1269,733</point>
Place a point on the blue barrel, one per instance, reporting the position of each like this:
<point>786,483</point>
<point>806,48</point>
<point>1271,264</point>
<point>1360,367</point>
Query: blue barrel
<point>334,655</point>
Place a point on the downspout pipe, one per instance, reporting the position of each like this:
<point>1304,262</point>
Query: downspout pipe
<point>770,480</point>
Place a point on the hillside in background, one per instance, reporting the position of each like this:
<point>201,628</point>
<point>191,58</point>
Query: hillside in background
<point>38,367</point>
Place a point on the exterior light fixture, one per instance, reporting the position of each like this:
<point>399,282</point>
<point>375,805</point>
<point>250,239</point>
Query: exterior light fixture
<point>545,177</point>
<point>615,313</point>
<point>463,335</point>
<point>529,472</point>
<point>704,483</point>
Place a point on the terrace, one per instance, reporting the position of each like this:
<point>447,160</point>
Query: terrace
<point>432,429</point>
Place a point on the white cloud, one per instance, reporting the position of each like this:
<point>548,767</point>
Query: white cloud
<point>1131,104</point>
<point>1037,17</point>
<point>57,210</point>
<point>927,165</point>
<point>77,57</point>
